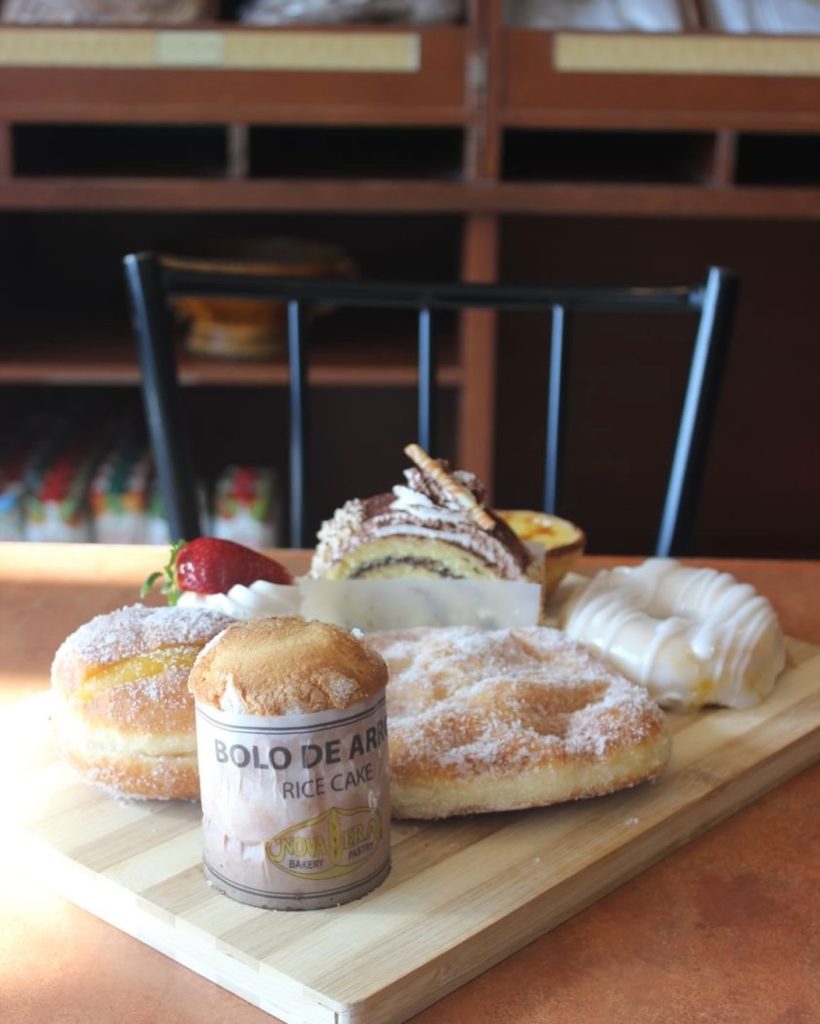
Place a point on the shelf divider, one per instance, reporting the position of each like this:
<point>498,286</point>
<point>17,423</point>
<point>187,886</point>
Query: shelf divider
<point>238,151</point>
<point>6,152</point>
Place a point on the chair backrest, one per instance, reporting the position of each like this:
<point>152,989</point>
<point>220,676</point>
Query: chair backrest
<point>152,283</point>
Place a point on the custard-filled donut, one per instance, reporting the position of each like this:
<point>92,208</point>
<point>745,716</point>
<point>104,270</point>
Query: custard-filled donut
<point>691,636</point>
<point>124,717</point>
<point>496,720</point>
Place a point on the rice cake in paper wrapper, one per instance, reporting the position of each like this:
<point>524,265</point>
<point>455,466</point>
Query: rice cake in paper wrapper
<point>293,763</point>
<point>296,813</point>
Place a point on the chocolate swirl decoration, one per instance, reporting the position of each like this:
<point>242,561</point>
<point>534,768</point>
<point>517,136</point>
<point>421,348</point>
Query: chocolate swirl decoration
<point>447,483</point>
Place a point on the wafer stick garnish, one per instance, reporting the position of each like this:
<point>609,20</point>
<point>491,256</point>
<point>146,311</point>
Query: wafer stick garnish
<point>479,515</point>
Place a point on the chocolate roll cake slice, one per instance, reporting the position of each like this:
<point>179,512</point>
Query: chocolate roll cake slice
<point>435,526</point>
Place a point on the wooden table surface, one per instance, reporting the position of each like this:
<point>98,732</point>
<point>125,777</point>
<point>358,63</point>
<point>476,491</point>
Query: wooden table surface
<point>726,929</point>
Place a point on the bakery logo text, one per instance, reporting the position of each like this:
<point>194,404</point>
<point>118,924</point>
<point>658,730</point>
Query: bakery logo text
<point>331,844</point>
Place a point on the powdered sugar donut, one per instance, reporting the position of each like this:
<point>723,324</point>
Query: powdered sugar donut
<point>496,720</point>
<point>124,717</point>
<point>692,636</point>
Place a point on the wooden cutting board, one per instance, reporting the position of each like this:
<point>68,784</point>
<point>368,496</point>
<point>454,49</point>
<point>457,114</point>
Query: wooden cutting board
<point>461,895</point>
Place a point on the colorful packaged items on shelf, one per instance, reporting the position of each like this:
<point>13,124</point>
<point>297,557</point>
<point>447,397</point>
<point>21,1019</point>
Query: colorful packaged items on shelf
<point>156,525</point>
<point>120,495</point>
<point>12,480</point>
<point>56,499</point>
<point>11,493</point>
<point>11,510</point>
<point>332,12</point>
<point>61,482</point>
<point>157,530</point>
<point>105,12</point>
<point>245,506</point>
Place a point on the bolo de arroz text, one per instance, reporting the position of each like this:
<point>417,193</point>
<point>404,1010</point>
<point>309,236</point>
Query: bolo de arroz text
<point>309,756</point>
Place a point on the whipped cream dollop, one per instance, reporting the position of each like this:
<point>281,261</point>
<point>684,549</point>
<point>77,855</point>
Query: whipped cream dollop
<point>424,499</point>
<point>424,489</point>
<point>258,600</point>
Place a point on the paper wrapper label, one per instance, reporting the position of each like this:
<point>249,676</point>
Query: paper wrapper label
<point>296,808</point>
<point>383,604</point>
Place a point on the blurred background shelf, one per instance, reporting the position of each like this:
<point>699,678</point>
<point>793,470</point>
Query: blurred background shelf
<point>552,79</point>
<point>754,201</point>
<point>472,151</point>
<point>118,74</point>
<point>341,354</point>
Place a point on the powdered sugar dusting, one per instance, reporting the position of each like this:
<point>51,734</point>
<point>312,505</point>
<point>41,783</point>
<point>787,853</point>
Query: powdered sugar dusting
<point>166,690</point>
<point>495,700</point>
<point>138,629</point>
<point>336,533</point>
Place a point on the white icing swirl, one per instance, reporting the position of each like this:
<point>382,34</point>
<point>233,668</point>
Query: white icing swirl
<point>691,636</point>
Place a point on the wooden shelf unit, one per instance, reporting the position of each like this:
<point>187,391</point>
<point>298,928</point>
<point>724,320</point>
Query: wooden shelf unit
<point>476,123</point>
<point>105,357</point>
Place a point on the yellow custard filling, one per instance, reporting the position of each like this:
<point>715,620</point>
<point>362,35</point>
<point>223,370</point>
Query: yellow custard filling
<point>139,666</point>
<point>546,531</point>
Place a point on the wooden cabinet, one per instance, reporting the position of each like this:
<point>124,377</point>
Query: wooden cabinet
<point>470,151</point>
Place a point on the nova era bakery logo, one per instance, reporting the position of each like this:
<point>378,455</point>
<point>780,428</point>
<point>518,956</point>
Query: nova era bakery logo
<point>331,844</point>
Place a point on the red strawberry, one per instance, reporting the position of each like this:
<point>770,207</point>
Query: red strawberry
<point>209,565</point>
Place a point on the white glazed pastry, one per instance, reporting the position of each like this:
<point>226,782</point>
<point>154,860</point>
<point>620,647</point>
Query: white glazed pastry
<point>692,636</point>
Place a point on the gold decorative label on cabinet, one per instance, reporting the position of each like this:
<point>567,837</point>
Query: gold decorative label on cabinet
<point>75,48</point>
<point>190,49</point>
<point>325,51</point>
<point>365,52</point>
<point>611,53</point>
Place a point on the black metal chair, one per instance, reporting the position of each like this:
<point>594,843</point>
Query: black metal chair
<point>151,284</point>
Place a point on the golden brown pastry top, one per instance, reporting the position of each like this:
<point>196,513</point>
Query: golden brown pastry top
<point>286,665</point>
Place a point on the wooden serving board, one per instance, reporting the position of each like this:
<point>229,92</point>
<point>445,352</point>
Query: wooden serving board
<point>461,895</point>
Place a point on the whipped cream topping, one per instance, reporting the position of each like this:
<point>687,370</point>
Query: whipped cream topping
<point>424,499</point>
<point>422,489</point>
<point>259,600</point>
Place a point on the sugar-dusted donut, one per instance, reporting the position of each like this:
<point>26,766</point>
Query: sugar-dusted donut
<point>124,717</point>
<point>496,720</point>
<point>692,636</point>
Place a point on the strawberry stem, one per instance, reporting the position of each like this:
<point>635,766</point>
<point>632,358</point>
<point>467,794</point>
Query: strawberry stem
<point>168,586</point>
